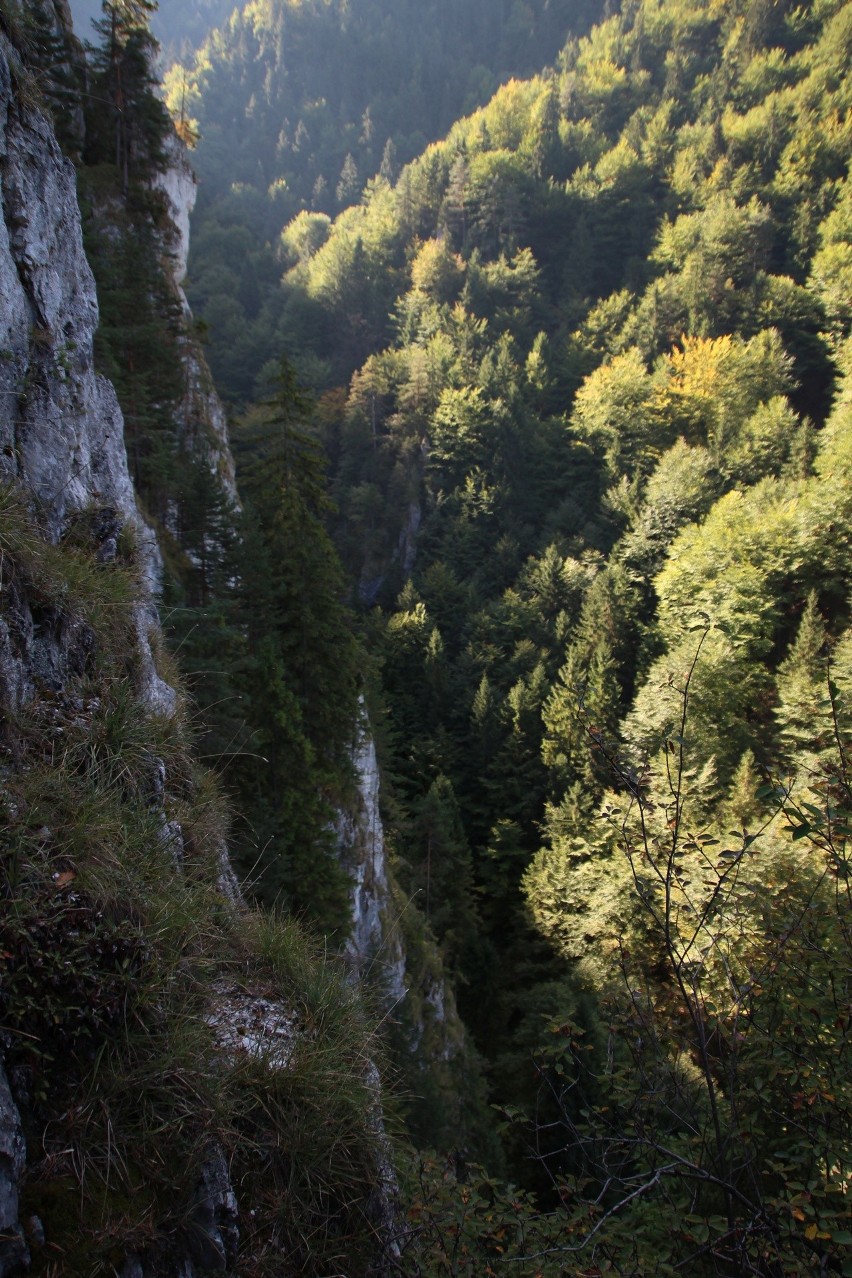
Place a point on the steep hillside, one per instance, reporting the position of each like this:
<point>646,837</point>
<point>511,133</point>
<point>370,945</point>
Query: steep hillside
<point>186,1086</point>
<point>297,106</point>
<point>592,467</point>
<point>581,379</point>
<point>180,26</point>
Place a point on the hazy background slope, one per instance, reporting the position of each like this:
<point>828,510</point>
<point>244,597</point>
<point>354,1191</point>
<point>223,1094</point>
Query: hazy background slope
<point>177,24</point>
<point>298,106</point>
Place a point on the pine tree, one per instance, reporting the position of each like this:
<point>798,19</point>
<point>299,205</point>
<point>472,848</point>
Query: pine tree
<point>299,666</point>
<point>581,718</point>
<point>455,214</point>
<point>444,872</point>
<point>388,167</point>
<point>542,139</point>
<point>742,806</point>
<point>347,186</point>
<point>131,123</point>
<point>802,713</point>
<point>137,344</point>
<point>46,46</point>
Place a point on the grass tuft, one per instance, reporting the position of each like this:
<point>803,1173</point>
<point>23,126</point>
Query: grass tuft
<point>113,942</point>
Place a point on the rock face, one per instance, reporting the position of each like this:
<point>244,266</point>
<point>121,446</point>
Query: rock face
<point>374,944</point>
<point>200,417</point>
<point>410,985</point>
<point>13,1250</point>
<point>61,429</point>
<point>62,447</point>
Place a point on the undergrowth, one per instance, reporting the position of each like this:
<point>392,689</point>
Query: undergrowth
<point>113,941</point>
<point>16,23</point>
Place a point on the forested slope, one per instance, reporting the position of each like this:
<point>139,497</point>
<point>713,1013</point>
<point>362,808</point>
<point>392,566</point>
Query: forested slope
<point>179,25</point>
<point>298,105</point>
<point>587,355</point>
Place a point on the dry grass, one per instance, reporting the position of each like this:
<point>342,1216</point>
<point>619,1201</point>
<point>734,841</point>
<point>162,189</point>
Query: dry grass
<point>114,936</point>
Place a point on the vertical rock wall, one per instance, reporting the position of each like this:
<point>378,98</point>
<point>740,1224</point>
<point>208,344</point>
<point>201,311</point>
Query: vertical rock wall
<point>411,986</point>
<point>62,449</point>
<point>374,944</point>
<point>61,428</point>
<point>201,417</point>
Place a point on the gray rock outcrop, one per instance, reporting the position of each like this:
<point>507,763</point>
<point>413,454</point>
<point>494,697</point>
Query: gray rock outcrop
<point>200,417</point>
<point>61,428</point>
<point>14,1255</point>
<point>62,447</point>
<point>374,943</point>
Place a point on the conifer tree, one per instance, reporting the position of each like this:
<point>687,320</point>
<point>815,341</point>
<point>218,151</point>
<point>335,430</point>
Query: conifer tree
<point>388,167</point>
<point>347,186</point>
<point>581,718</point>
<point>137,343</point>
<point>60,70</point>
<point>298,670</point>
<point>542,140</point>
<point>742,806</point>
<point>131,123</point>
<point>802,712</point>
<point>444,872</point>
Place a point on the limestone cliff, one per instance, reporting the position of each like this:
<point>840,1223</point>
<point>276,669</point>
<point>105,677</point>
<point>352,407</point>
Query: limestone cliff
<point>61,429</point>
<point>200,416</point>
<point>392,952</point>
<point>375,942</point>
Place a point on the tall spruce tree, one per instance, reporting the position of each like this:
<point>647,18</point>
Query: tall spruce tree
<point>298,668</point>
<point>131,124</point>
<point>803,713</point>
